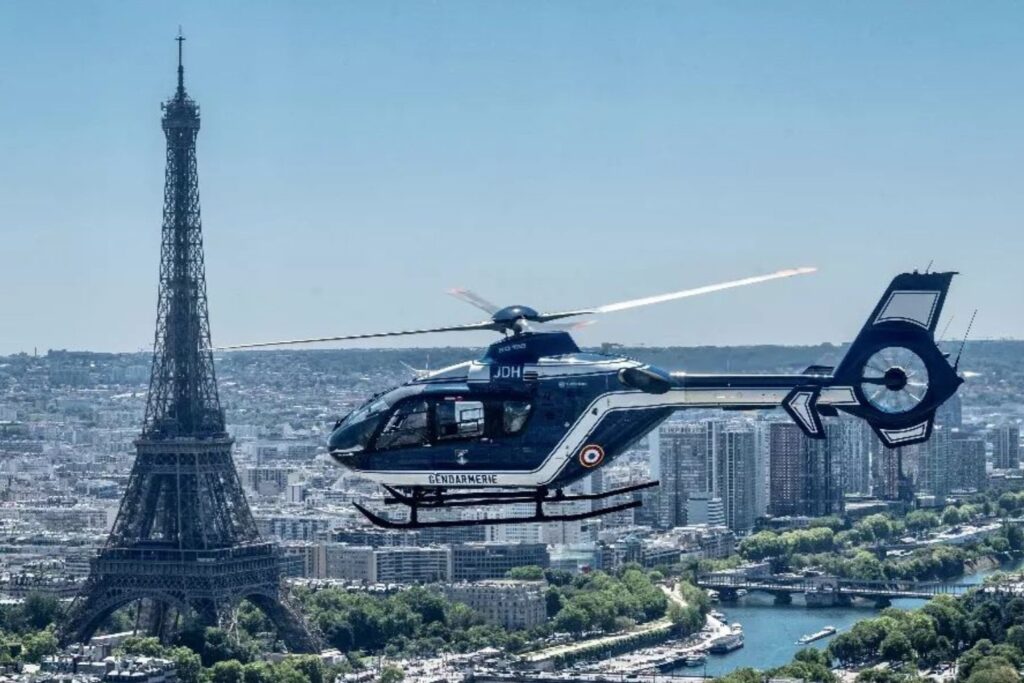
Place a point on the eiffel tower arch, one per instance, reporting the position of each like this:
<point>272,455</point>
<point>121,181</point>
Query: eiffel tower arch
<point>184,538</point>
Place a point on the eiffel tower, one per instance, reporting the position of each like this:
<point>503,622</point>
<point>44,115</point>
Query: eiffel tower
<point>184,539</point>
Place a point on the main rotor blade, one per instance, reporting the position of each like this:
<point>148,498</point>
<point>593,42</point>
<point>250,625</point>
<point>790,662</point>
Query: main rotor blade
<point>487,325</point>
<point>473,299</point>
<point>672,296</point>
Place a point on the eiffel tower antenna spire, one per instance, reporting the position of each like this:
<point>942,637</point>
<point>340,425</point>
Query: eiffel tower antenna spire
<point>181,68</point>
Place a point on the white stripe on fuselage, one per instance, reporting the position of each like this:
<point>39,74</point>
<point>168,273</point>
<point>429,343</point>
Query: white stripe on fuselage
<point>605,404</point>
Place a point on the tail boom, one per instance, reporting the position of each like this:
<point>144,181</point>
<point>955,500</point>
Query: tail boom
<point>893,376</point>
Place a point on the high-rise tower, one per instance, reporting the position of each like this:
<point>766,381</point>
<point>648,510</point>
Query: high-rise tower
<point>184,538</point>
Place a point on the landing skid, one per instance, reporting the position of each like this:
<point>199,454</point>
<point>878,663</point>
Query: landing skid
<point>418,498</point>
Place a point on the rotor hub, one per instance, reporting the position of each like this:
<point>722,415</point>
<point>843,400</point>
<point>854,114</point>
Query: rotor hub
<point>895,379</point>
<point>511,317</point>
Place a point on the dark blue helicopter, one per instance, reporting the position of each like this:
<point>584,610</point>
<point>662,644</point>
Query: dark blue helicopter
<point>536,413</point>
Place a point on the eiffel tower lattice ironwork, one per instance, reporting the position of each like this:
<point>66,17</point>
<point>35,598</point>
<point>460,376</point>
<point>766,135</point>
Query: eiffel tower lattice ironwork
<point>184,539</point>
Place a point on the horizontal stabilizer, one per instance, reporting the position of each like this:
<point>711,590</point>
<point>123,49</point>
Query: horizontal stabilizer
<point>905,436</point>
<point>802,406</point>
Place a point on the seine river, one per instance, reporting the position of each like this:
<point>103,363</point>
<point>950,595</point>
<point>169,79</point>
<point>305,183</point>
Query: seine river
<point>771,631</point>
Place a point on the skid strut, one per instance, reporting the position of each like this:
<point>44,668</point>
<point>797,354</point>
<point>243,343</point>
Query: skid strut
<point>420,498</point>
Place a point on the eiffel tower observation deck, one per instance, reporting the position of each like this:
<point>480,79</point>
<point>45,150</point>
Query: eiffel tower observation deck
<point>184,545</point>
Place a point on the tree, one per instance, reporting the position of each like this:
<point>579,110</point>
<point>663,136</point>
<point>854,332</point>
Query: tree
<point>258,672</point>
<point>553,601</point>
<point>686,620</point>
<point>998,672</point>
<point>38,645</point>
<point>571,619</point>
<point>391,674</point>
<point>885,675</point>
<point>145,646</point>
<point>865,566</point>
<point>951,516</point>
<point>896,647</point>
<point>847,648</point>
<point>252,619</point>
<point>921,520</point>
<point>1015,536</point>
<point>808,664</point>
<point>218,646</point>
<point>950,620</point>
<point>287,672</point>
<point>743,675</point>
<point>833,522</point>
<point>1015,637</point>
<point>40,610</point>
<point>920,630</point>
<point>428,603</point>
<point>187,664</point>
<point>311,668</point>
<point>875,527</point>
<point>528,573</point>
<point>762,545</point>
<point>558,577</point>
<point>229,671</point>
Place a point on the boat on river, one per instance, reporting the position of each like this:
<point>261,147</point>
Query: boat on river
<point>727,642</point>
<point>695,659</point>
<point>817,635</point>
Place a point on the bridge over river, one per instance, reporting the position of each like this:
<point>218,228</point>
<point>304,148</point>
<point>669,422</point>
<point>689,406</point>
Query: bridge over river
<point>829,590</point>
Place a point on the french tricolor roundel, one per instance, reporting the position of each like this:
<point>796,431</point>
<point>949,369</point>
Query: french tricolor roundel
<point>591,456</point>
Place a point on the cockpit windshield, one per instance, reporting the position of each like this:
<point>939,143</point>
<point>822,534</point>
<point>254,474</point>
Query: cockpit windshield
<point>355,431</point>
<point>403,419</point>
<point>365,411</point>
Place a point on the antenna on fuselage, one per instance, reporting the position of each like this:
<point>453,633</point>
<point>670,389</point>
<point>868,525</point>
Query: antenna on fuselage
<point>956,365</point>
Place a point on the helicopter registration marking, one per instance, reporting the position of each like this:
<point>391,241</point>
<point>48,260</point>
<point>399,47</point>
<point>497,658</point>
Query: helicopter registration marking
<point>507,372</point>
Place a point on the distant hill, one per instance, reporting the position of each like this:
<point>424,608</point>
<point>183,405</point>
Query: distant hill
<point>999,364</point>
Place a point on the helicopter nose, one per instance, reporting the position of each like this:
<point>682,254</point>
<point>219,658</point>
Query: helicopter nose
<point>344,458</point>
<point>334,440</point>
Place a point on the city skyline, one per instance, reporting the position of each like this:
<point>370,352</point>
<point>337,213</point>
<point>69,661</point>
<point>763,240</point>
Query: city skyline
<point>724,143</point>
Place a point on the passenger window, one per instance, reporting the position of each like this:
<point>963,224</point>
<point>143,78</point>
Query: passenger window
<point>514,416</point>
<point>459,420</point>
<point>407,426</point>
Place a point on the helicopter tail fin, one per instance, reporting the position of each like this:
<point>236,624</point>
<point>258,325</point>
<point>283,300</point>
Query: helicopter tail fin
<point>895,370</point>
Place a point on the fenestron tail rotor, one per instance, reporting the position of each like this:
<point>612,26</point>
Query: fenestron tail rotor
<point>518,319</point>
<point>895,379</point>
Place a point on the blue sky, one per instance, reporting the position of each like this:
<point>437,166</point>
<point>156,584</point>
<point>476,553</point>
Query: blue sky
<point>358,159</point>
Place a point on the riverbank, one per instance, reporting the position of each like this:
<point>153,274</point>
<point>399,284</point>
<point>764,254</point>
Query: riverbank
<point>771,631</point>
<point>986,563</point>
<point>653,660</point>
<point>604,647</point>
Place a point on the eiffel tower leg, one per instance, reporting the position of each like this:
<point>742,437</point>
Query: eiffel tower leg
<point>292,630</point>
<point>160,619</point>
<point>207,612</point>
<point>89,610</point>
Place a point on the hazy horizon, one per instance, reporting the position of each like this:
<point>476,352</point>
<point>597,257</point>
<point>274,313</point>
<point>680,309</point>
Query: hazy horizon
<point>474,348</point>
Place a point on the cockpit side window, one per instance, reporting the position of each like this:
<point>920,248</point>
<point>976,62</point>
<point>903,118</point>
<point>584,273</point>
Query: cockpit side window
<point>460,420</point>
<point>409,425</point>
<point>514,415</point>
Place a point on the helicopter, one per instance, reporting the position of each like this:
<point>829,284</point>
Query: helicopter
<point>536,413</point>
